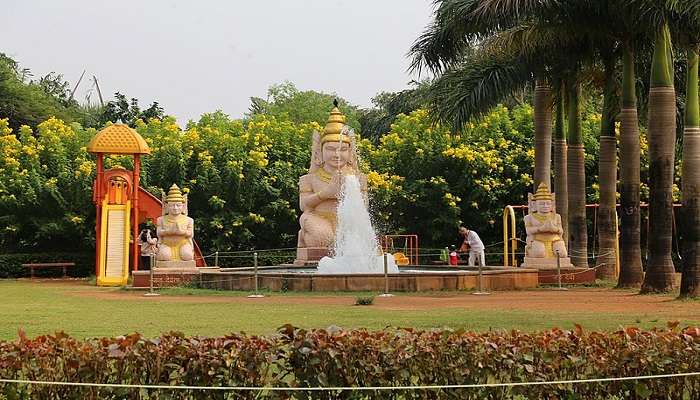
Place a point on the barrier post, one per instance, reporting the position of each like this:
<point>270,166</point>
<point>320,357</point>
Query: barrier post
<point>479,282</point>
<point>216,259</point>
<point>152,264</point>
<point>256,295</point>
<point>559,272</point>
<point>386,277</point>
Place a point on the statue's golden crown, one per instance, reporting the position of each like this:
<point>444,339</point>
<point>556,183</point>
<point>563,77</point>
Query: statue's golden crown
<point>175,195</point>
<point>335,130</point>
<point>542,193</point>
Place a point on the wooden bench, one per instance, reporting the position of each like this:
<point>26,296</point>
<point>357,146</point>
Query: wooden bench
<point>63,265</point>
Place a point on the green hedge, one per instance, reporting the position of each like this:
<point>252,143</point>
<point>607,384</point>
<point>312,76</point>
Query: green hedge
<point>335,357</point>
<point>11,264</point>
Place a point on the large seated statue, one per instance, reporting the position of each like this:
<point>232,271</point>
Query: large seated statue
<point>332,157</point>
<point>544,232</point>
<point>175,232</point>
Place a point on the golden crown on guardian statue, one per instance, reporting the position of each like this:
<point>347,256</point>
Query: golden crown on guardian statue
<point>175,195</point>
<point>335,130</point>
<point>542,193</point>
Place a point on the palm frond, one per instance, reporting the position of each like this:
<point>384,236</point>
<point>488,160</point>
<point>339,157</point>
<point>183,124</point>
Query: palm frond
<point>475,87</point>
<point>451,35</point>
<point>535,41</point>
<point>493,12</point>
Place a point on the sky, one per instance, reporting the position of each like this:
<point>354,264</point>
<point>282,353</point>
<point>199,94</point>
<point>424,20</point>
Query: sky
<point>198,56</point>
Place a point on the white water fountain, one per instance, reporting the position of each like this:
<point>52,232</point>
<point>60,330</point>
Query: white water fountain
<point>356,248</point>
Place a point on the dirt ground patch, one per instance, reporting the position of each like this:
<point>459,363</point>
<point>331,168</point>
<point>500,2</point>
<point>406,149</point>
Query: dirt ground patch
<point>575,300</point>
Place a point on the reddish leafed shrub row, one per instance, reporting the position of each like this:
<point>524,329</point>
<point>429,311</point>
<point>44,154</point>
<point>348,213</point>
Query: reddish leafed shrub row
<point>336,357</point>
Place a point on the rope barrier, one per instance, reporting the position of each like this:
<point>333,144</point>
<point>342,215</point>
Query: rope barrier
<point>426,252</point>
<point>351,388</point>
<point>239,256</point>
<point>258,251</point>
<point>245,278</point>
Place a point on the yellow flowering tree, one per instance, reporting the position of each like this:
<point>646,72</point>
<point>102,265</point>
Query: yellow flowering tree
<point>45,186</point>
<point>242,177</point>
<point>427,179</point>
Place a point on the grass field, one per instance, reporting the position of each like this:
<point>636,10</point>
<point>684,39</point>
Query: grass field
<point>83,310</point>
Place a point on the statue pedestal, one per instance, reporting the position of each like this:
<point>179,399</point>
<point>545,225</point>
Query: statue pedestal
<point>310,255</point>
<point>546,263</point>
<point>176,265</point>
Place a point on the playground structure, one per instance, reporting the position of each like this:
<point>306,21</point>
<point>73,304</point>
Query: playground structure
<point>408,254</point>
<point>121,205</point>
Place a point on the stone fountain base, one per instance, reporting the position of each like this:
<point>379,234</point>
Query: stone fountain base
<point>546,263</point>
<point>310,255</point>
<point>298,280</point>
<point>547,270</point>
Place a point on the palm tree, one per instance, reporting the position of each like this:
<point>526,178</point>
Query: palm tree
<point>607,174</point>
<point>690,168</point>
<point>631,274</point>
<point>543,133</point>
<point>560,175</point>
<point>690,281</point>
<point>460,27</point>
<point>505,57</point>
<point>660,274</point>
<point>578,234</point>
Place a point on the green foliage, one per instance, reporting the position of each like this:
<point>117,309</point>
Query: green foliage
<point>11,264</point>
<point>129,112</point>
<point>26,102</point>
<point>45,187</point>
<point>377,120</point>
<point>242,177</point>
<point>360,358</point>
<point>285,101</point>
<point>424,179</point>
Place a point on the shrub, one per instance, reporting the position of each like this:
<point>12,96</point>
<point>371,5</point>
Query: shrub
<point>364,301</point>
<point>11,264</point>
<point>335,357</point>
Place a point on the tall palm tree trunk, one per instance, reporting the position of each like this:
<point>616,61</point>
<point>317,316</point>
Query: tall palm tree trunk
<point>578,236</point>
<point>607,175</point>
<point>690,281</point>
<point>631,274</point>
<point>560,175</point>
<point>543,133</point>
<point>660,274</point>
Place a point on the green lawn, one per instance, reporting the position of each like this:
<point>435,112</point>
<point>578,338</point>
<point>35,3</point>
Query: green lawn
<point>84,310</point>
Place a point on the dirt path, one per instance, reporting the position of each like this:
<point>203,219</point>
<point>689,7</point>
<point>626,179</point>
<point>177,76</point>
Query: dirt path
<point>575,300</point>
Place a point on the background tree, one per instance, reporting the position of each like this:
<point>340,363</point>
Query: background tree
<point>660,273</point>
<point>689,37</point>
<point>690,282</point>
<point>128,112</point>
<point>607,173</point>
<point>578,235</point>
<point>285,101</point>
<point>560,150</point>
<point>376,121</point>
<point>27,102</point>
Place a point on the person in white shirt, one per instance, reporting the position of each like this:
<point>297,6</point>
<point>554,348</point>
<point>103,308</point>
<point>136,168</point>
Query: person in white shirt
<point>149,247</point>
<point>470,240</point>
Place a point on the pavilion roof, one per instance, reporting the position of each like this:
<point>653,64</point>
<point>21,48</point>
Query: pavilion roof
<point>118,139</point>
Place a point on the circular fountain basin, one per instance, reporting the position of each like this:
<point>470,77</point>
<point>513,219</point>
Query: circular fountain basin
<point>412,278</point>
